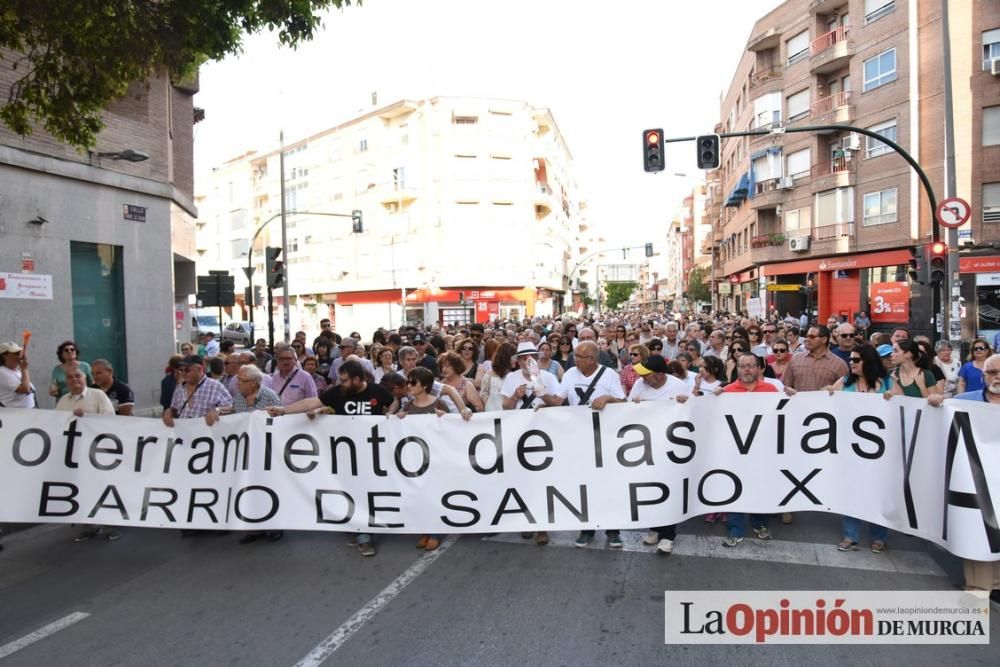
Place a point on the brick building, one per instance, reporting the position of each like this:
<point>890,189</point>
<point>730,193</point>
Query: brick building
<point>837,209</point>
<point>95,246</point>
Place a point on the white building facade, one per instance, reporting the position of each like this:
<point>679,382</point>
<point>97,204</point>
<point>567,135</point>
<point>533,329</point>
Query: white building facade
<point>469,208</point>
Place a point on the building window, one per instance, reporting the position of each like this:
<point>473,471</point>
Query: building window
<point>797,47</point>
<point>797,222</point>
<point>991,47</point>
<point>362,145</point>
<point>465,120</point>
<point>767,110</point>
<point>798,105</point>
<point>798,163</point>
<point>991,126</point>
<point>876,9</point>
<point>880,207</point>
<point>880,70</point>
<point>874,147</point>
<point>991,202</point>
<point>834,207</point>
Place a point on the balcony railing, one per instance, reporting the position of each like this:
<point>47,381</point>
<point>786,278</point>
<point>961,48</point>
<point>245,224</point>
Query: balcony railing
<point>767,240</point>
<point>828,104</point>
<point>768,185</point>
<point>827,232</point>
<point>836,165</point>
<point>766,74</point>
<point>824,42</point>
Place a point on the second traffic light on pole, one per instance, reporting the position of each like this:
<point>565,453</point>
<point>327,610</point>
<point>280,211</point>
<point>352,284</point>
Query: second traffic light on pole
<point>708,151</point>
<point>273,267</point>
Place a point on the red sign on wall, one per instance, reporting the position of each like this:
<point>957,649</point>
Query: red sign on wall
<point>890,302</point>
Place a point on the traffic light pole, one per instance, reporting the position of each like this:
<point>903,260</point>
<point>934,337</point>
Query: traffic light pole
<point>838,127</point>
<point>270,319</point>
<point>249,268</point>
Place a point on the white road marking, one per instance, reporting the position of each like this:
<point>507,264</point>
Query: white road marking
<point>338,637</point>
<point>778,551</point>
<point>41,633</point>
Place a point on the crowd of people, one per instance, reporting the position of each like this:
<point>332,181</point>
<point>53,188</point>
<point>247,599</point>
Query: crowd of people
<point>537,363</point>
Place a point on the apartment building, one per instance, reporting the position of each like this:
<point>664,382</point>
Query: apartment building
<point>469,206</point>
<point>837,209</point>
<point>97,246</point>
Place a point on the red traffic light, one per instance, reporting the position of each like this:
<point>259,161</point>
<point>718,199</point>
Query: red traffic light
<point>939,248</point>
<point>654,136</point>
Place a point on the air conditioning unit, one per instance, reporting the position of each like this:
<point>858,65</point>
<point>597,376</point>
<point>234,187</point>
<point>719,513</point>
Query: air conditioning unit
<point>798,243</point>
<point>786,183</point>
<point>852,142</point>
<point>995,67</point>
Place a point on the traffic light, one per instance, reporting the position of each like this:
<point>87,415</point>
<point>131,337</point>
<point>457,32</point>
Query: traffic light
<point>708,151</point>
<point>937,262</point>
<point>274,268</point>
<point>918,267</point>
<point>649,250</point>
<point>356,225</point>
<point>652,150</point>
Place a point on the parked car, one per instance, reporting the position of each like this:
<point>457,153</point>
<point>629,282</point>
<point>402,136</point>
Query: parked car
<point>239,332</point>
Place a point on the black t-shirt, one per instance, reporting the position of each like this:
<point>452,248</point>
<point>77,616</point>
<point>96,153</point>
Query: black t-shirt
<point>120,394</point>
<point>374,400</point>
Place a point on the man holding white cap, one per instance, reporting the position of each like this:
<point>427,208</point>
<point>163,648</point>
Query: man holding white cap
<point>15,384</point>
<point>532,387</point>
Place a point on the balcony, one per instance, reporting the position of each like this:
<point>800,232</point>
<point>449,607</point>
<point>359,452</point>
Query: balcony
<point>838,172</point>
<point>769,39</point>
<point>831,51</point>
<point>836,108</point>
<point>825,6</point>
<point>835,231</point>
<point>772,74</point>
<point>767,194</point>
<point>400,193</point>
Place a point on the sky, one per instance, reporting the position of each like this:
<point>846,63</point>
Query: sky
<point>606,70</point>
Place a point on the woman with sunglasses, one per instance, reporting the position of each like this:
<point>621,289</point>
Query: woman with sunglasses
<point>300,351</point>
<point>867,375</point>
<point>67,353</point>
<point>693,349</point>
<point>620,345</point>
<point>637,354</point>
<point>564,353</point>
<point>970,376</point>
<point>473,371</point>
<point>423,402</point>
<point>782,355</point>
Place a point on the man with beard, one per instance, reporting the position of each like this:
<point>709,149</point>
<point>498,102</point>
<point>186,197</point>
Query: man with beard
<point>352,397</point>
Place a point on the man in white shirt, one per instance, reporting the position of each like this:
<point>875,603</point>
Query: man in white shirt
<point>671,346</point>
<point>82,400</point>
<point>589,383</point>
<point>656,384</point>
<point>211,345</point>
<point>15,383</point>
<point>532,387</point>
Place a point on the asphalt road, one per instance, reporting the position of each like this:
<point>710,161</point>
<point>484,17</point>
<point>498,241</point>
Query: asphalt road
<point>154,598</point>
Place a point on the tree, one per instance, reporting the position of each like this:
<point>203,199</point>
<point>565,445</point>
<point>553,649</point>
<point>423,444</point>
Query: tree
<point>698,289</point>
<point>618,293</point>
<point>71,58</point>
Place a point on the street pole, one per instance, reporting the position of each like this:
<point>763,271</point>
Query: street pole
<point>284,241</point>
<point>949,302</point>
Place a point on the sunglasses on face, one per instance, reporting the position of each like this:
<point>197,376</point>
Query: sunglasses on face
<point>980,349</point>
<point>633,354</point>
<point>780,350</point>
<point>412,383</point>
<point>855,360</point>
<point>69,349</point>
<point>738,349</point>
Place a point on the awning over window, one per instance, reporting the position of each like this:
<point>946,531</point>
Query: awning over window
<point>739,193</point>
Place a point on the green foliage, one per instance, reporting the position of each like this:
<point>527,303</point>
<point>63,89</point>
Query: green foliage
<point>618,293</point>
<point>74,57</point>
<point>698,289</point>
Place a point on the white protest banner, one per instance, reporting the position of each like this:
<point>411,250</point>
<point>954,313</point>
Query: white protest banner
<point>930,472</point>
